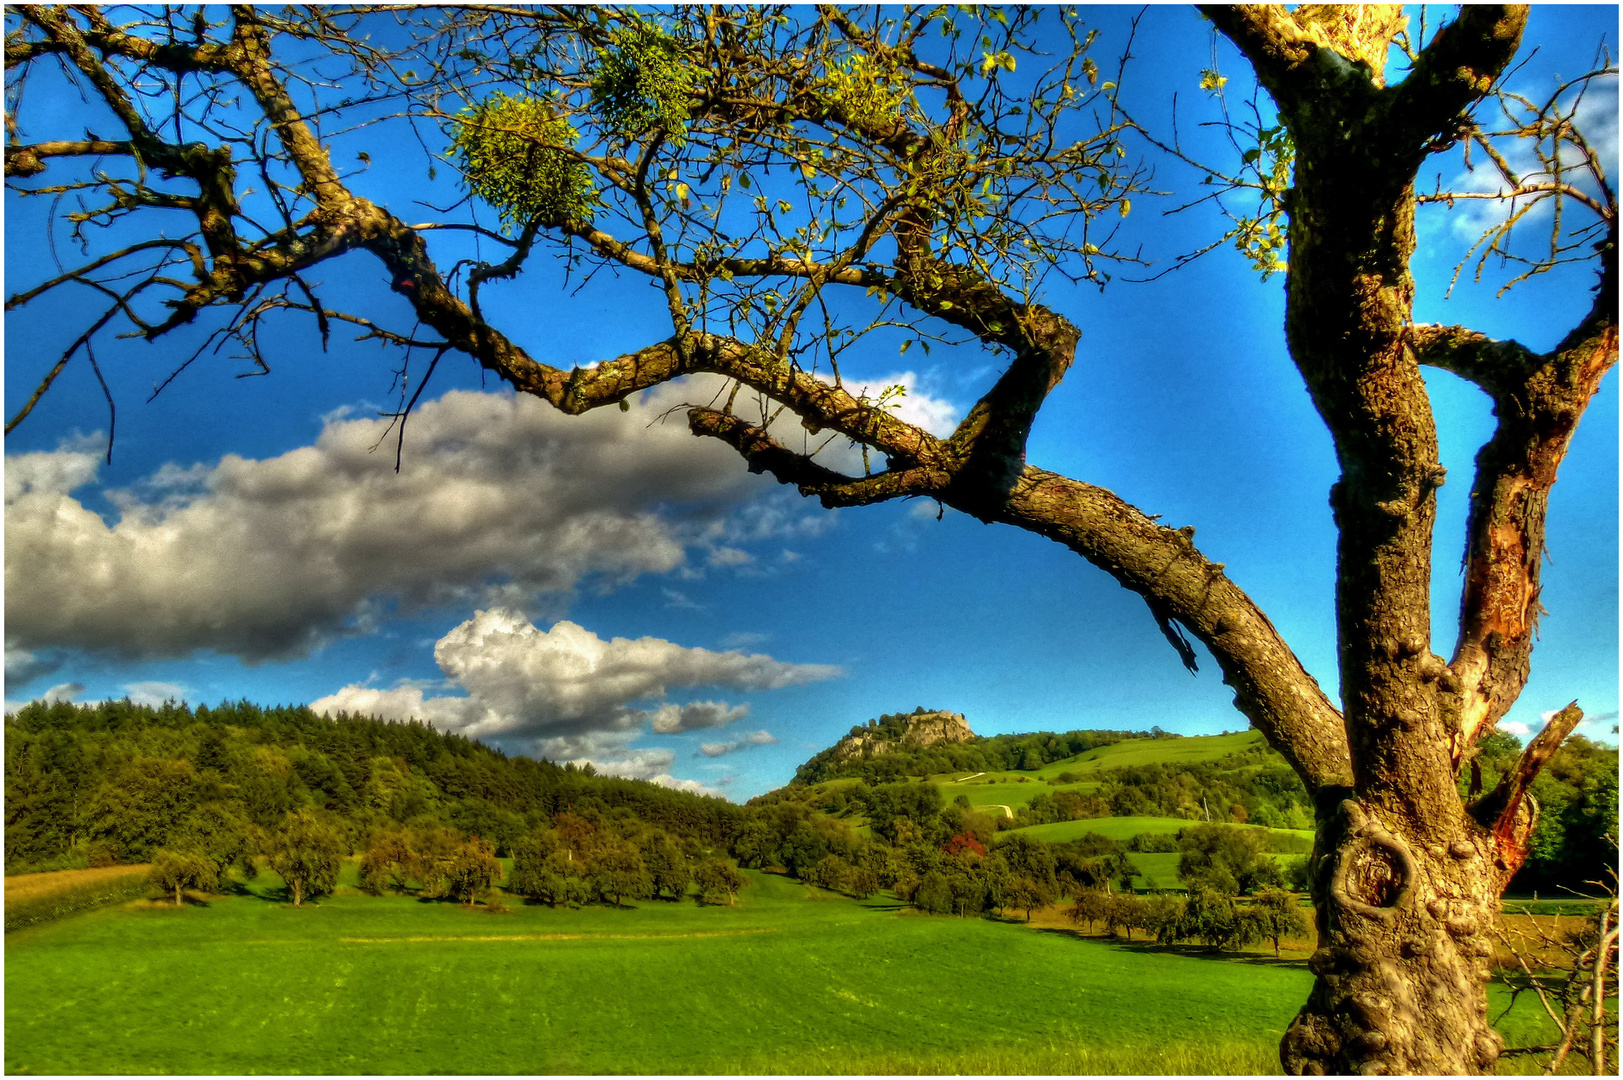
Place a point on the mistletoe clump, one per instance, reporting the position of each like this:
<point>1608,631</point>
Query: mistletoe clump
<point>515,155</point>
<point>643,82</point>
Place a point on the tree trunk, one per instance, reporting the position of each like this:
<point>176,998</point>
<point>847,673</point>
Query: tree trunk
<point>1402,963</point>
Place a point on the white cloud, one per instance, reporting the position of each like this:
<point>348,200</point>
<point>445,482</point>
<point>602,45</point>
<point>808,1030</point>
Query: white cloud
<point>567,694</point>
<point>62,692</point>
<point>1516,728</point>
<point>500,500</point>
<point>669,719</point>
<point>155,693</point>
<point>754,738</point>
<point>727,556</point>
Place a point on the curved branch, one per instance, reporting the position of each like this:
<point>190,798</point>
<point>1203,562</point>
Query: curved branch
<point>30,160</point>
<point>1538,401</point>
<point>1162,565</point>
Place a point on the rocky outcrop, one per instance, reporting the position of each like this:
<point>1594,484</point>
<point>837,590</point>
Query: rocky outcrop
<point>920,729</point>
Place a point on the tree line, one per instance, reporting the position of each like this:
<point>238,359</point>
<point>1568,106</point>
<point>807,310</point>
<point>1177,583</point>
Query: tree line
<point>116,782</point>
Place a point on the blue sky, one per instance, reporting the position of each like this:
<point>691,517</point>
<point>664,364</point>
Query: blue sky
<point>245,542</point>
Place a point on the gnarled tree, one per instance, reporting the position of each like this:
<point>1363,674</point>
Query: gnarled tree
<point>793,180</point>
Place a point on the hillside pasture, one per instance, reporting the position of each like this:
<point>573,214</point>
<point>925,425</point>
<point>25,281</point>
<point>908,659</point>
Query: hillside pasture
<point>1122,829</point>
<point>990,790</point>
<point>791,981</point>
<point>1182,751</point>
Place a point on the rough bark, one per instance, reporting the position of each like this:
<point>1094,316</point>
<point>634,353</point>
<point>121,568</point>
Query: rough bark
<point>1406,879</point>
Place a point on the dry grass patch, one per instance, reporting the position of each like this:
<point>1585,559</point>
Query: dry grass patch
<point>37,898</point>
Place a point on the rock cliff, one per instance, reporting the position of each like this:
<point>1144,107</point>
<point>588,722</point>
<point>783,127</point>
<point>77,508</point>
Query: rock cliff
<point>917,729</point>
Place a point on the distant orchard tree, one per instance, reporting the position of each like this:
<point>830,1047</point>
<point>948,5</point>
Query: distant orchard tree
<point>862,883</point>
<point>934,895</point>
<point>1028,857</point>
<point>830,872</point>
<point>1230,859</point>
<point>1278,914</point>
<point>1163,916</point>
<point>1090,906</point>
<point>306,851</point>
<point>754,846</point>
<point>717,879</point>
<point>142,806</point>
<point>1028,894</point>
<point>386,864</point>
<point>473,869</point>
<point>668,869</point>
<point>176,871</point>
<point>1213,917</point>
<point>1129,912</point>
<point>617,871</point>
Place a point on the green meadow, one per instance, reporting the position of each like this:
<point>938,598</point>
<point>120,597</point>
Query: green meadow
<point>793,980</point>
<point>1186,751</point>
<point>987,791</point>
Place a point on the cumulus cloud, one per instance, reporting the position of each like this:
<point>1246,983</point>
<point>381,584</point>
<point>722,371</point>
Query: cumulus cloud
<point>670,719</point>
<point>62,692</point>
<point>155,693</point>
<point>569,695</point>
<point>754,738</point>
<point>500,500</point>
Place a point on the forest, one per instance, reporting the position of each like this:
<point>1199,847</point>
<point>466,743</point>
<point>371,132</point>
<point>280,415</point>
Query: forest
<point>116,782</point>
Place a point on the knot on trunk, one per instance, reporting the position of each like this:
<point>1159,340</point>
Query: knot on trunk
<point>1375,871</point>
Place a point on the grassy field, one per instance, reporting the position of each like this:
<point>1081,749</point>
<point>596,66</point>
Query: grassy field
<point>1184,751</point>
<point>792,981</point>
<point>1016,789</point>
<point>1125,828</point>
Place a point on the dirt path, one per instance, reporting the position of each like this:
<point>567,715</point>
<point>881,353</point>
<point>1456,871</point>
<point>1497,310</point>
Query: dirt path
<point>967,779</point>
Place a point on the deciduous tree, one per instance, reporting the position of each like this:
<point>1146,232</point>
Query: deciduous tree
<point>717,879</point>
<point>176,871</point>
<point>755,163</point>
<point>1278,915</point>
<point>306,851</point>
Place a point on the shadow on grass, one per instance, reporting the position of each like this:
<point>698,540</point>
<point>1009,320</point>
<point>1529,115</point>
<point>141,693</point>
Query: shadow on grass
<point>1199,952</point>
